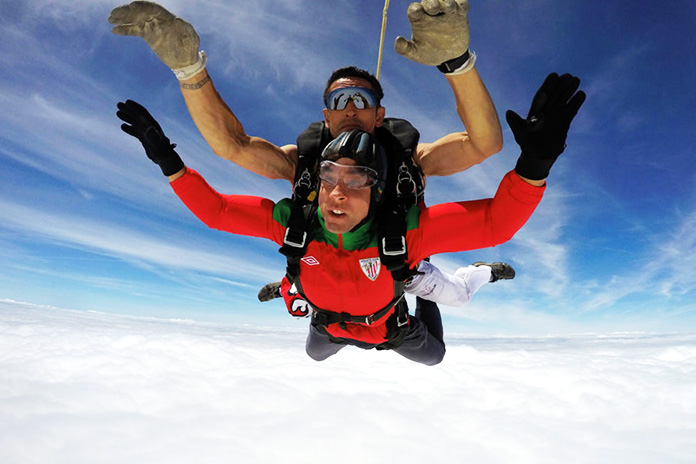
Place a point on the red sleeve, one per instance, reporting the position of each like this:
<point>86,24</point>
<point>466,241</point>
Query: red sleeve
<point>238,214</point>
<point>470,225</point>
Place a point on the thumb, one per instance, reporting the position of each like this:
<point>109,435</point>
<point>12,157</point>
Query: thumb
<point>130,130</point>
<point>515,121</point>
<point>404,47</point>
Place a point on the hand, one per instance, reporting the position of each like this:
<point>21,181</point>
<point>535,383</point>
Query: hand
<point>543,134</point>
<point>174,40</point>
<point>439,32</point>
<point>141,125</point>
<point>296,305</point>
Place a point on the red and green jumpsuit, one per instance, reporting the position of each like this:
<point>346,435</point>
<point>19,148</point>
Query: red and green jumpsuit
<point>342,273</point>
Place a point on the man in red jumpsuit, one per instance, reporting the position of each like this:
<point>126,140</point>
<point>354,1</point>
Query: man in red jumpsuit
<point>340,272</point>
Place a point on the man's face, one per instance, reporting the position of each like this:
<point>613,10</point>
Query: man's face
<point>341,207</point>
<point>350,117</point>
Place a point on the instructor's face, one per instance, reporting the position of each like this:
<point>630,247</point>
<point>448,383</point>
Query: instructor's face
<point>349,118</point>
<point>341,207</point>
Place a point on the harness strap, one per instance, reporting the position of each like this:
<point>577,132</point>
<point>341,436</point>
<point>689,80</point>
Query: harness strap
<point>296,238</point>
<point>397,324</point>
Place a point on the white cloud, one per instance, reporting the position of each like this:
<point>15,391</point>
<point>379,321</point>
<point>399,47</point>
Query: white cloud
<point>79,386</point>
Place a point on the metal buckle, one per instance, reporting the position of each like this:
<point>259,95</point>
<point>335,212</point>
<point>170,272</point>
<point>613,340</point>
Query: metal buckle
<point>369,320</point>
<point>400,251</point>
<point>292,243</point>
<point>401,323</point>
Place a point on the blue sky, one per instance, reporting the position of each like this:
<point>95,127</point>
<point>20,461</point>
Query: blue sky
<point>88,223</point>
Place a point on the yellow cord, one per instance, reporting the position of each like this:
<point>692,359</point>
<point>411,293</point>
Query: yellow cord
<point>381,39</point>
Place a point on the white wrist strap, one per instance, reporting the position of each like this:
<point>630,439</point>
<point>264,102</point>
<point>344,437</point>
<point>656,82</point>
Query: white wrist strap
<point>467,66</point>
<point>191,70</point>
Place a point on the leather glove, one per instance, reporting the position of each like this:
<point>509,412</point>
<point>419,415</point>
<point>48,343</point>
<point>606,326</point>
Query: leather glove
<point>543,134</point>
<point>174,40</point>
<point>439,32</point>
<point>141,125</point>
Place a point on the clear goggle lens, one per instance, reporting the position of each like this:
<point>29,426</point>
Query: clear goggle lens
<point>354,177</point>
<point>362,98</point>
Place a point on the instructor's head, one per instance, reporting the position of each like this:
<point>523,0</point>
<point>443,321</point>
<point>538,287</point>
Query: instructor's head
<point>352,98</point>
<point>353,177</point>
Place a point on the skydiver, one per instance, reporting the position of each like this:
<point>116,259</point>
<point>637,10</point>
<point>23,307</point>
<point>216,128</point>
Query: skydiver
<point>440,37</point>
<point>366,310</point>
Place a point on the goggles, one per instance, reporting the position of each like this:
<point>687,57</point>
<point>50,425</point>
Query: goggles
<point>354,177</point>
<point>362,98</point>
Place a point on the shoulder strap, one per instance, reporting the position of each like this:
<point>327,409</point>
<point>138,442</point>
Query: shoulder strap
<point>406,184</point>
<point>297,237</point>
<point>310,144</point>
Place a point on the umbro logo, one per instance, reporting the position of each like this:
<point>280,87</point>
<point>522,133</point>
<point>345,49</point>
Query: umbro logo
<point>310,260</point>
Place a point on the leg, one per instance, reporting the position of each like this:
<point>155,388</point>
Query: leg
<point>319,346</point>
<point>423,342</point>
<point>452,290</point>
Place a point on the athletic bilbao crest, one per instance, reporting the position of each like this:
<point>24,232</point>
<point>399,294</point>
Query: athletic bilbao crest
<point>371,267</point>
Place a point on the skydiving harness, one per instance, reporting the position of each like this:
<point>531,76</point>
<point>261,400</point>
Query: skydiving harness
<point>405,184</point>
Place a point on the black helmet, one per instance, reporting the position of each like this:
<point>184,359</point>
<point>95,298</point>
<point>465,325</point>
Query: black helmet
<point>363,148</point>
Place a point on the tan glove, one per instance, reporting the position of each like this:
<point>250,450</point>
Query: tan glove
<point>439,32</point>
<point>174,40</point>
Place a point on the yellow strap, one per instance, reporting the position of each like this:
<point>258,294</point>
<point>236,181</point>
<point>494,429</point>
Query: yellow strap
<point>381,38</point>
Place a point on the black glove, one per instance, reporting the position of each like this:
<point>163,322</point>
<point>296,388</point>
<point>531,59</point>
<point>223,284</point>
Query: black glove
<point>543,134</point>
<point>144,128</point>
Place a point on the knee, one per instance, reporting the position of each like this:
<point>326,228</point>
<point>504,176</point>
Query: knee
<point>436,358</point>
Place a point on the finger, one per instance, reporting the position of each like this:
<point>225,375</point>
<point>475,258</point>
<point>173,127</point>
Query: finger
<point>139,12</point>
<point>415,12</point>
<point>431,7</point>
<point>570,85</point>
<point>541,97</point>
<point>463,6</point>
<point>135,106</point>
<point>574,105</point>
<point>448,6</point>
<point>119,14</point>
<point>128,29</point>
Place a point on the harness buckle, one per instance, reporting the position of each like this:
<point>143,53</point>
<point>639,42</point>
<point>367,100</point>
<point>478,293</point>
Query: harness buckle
<point>297,241</point>
<point>396,247</point>
<point>369,320</point>
<point>400,323</point>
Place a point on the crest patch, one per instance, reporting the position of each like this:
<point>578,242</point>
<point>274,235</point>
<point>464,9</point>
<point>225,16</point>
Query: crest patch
<point>371,267</point>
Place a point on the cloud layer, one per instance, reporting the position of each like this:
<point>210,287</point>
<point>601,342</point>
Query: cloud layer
<point>85,387</point>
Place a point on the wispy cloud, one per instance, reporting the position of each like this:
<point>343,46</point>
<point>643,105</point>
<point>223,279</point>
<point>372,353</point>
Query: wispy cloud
<point>130,244</point>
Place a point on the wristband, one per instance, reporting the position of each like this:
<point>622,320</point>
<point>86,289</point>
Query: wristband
<point>458,65</point>
<point>191,70</point>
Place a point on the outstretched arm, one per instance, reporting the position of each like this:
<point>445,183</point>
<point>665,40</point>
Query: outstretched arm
<point>238,214</point>
<point>176,43</point>
<point>483,223</point>
<point>483,137</point>
<point>226,136</point>
<point>440,37</point>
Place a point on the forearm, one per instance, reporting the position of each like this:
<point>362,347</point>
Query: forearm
<point>469,225</point>
<point>459,151</point>
<point>225,133</point>
<point>477,112</point>
<point>237,214</point>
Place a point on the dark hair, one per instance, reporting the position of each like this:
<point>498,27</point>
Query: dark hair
<point>352,71</point>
